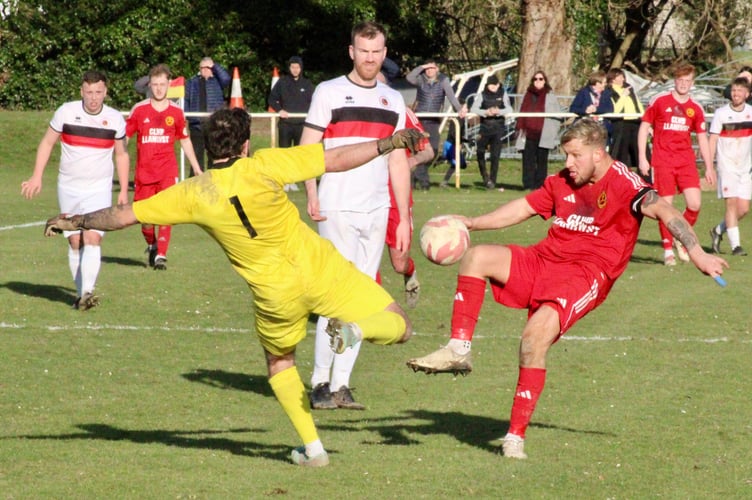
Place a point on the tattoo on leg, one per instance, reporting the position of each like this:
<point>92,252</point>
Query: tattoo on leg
<point>651,198</point>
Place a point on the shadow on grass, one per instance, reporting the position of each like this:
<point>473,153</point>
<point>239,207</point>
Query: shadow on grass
<point>645,260</point>
<point>123,261</point>
<point>53,293</point>
<point>473,430</point>
<point>205,439</point>
<point>222,379</point>
<point>481,432</point>
<point>649,243</point>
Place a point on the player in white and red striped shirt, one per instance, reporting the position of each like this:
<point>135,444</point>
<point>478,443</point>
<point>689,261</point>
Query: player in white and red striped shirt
<point>89,133</point>
<point>352,207</point>
<point>731,146</point>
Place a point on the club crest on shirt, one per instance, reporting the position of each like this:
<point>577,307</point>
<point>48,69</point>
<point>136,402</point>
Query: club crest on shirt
<point>602,200</point>
<point>691,112</point>
<point>384,101</point>
<point>169,121</point>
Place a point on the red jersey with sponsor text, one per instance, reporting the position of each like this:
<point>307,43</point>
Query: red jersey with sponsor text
<point>673,123</point>
<point>156,132</point>
<point>594,223</point>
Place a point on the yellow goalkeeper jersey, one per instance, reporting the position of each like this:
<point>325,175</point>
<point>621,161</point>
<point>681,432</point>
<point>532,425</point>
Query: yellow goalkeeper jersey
<point>245,209</point>
<point>291,270</point>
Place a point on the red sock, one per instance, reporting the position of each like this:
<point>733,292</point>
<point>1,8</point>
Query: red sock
<point>666,238</point>
<point>691,216</point>
<point>410,267</point>
<point>149,234</point>
<point>530,384</point>
<point>468,300</point>
<point>378,277</point>
<point>164,239</point>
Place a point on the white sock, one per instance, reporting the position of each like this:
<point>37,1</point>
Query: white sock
<point>91,261</point>
<point>323,357</point>
<point>733,236</point>
<point>460,346</point>
<point>668,253</point>
<point>74,263</point>
<point>720,228</point>
<point>314,448</point>
<point>343,365</point>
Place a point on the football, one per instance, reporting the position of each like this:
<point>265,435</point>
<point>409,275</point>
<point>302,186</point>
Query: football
<point>444,239</point>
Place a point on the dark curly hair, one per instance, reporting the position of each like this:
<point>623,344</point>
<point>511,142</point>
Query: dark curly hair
<point>225,132</point>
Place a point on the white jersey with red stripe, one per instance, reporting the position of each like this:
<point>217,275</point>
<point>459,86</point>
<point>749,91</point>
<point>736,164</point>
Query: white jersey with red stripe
<point>348,113</point>
<point>734,130</point>
<point>87,145</point>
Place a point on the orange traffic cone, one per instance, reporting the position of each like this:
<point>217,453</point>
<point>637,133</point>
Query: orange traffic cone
<point>236,96</point>
<point>275,79</point>
<point>275,76</point>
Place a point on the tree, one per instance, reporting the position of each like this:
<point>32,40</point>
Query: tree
<point>546,44</point>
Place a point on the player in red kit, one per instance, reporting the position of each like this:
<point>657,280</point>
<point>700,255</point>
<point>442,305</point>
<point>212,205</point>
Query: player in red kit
<point>596,205</point>
<point>159,123</point>
<point>401,261</point>
<point>673,116</point>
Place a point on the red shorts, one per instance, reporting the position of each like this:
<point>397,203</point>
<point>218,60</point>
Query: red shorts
<point>572,288</point>
<point>391,226</point>
<point>666,180</point>
<point>143,191</point>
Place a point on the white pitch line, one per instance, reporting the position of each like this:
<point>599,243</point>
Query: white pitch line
<point>95,327</point>
<point>21,226</point>
<point>567,338</point>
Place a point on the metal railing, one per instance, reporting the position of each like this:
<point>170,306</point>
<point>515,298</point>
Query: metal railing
<point>471,124</point>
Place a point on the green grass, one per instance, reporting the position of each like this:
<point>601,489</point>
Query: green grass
<point>161,391</point>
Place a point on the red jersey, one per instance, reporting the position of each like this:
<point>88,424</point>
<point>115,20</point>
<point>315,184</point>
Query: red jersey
<point>593,224</point>
<point>157,133</point>
<point>411,121</point>
<point>673,123</point>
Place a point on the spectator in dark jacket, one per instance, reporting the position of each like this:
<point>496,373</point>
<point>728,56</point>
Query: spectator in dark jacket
<point>205,92</point>
<point>586,101</point>
<point>291,94</point>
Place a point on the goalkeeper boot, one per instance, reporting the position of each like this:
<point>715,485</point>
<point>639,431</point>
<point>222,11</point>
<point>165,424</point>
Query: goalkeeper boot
<point>514,447</point>
<point>343,399</point>
<point>342,335</point>
<point>445,360</point>
<point>299,457</point>
<point>412,290</point>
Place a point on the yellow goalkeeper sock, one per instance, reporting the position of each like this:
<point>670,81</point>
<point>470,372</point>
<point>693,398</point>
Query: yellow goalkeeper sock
<point>291,394</point>
<point>383,328</point>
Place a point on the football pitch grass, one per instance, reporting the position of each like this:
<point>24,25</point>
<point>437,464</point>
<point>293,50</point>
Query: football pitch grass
<point>161,391</point>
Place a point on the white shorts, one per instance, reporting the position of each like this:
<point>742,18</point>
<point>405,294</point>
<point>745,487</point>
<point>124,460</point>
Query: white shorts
<point>734,184</point>
<point>75,202</point>
<point>359,236</point>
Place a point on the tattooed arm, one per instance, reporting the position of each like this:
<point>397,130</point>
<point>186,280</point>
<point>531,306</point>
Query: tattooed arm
<point>107,219</point>
<point>655,207</point>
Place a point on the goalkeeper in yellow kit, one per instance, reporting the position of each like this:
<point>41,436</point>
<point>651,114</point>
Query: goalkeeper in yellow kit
<point>291,270</point>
